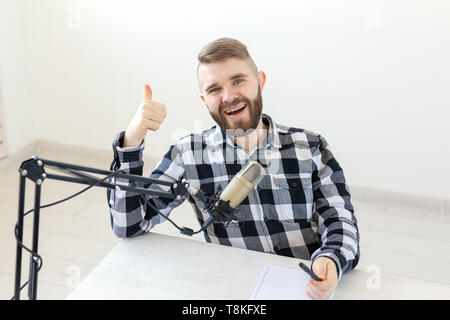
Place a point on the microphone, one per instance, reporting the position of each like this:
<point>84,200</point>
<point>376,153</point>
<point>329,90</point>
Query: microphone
<point>243,183</point>
<point>222,208</point>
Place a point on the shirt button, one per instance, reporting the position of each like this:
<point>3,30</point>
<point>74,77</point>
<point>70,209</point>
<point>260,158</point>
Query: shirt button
<point>294,184</point>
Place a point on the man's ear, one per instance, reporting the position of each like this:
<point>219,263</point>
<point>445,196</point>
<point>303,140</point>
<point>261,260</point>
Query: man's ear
<point>203,98</point>
<point>261,79</point>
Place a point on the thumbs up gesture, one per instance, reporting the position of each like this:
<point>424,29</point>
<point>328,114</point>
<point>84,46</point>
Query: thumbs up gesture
<point>149,116</point>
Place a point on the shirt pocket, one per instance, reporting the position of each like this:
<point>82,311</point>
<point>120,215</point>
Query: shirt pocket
<point>293,197</point>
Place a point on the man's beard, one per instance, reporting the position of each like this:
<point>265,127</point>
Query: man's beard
<point>240,126</point>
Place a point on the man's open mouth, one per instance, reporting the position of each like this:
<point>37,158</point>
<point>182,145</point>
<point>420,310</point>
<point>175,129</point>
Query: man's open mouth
<point>236,111</point>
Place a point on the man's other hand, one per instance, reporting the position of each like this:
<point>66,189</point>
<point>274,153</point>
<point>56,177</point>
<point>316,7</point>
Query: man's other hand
<point>325,269</point>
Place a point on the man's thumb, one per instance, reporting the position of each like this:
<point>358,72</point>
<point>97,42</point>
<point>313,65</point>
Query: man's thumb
<point>148,93</point>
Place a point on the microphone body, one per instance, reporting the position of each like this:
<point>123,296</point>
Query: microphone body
<point>243,183</point>
<point>222,207</point>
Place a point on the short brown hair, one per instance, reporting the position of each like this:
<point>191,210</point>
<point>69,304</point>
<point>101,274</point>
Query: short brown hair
<point>225,48</point>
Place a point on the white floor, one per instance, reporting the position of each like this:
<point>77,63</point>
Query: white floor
<point>404,236</point>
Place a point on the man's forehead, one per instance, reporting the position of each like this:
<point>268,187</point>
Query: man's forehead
<point>223,70</point>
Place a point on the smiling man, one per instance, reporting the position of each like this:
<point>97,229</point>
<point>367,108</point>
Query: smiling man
<point>231,89</point>
<point>301,208</point>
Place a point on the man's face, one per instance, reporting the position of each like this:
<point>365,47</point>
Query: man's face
<point>232,93</point>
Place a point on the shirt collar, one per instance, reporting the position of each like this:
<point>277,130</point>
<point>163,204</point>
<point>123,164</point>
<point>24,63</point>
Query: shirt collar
<point>273,137</point>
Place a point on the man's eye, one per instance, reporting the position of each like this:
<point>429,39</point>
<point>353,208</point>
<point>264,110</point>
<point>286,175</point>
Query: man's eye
<point>213,90</point>
<point>238,81</point>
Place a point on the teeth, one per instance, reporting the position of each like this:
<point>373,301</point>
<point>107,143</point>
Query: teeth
<point>235,109</point>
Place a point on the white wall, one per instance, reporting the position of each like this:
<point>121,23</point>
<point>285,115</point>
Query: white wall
<point>19,108</point>
<point>371,76</point>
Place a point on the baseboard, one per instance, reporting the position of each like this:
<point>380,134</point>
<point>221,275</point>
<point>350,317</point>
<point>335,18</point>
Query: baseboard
<point>436,205</point>
<point>52,150</point>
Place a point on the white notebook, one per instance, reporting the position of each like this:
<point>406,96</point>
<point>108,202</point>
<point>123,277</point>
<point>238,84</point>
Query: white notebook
<point>277,283</point>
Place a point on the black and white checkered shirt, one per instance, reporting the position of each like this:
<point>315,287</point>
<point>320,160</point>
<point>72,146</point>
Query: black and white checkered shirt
<point>301,208</point>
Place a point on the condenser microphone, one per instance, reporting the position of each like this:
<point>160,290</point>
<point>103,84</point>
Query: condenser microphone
<point>222,208</point>
<point>242,184</point>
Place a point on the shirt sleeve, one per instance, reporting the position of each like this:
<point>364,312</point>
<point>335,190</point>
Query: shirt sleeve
<point>338,228</point>
<point>130,215</point>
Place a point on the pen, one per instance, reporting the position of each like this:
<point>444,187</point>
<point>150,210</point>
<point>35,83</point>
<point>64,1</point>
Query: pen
<point>308,271</point>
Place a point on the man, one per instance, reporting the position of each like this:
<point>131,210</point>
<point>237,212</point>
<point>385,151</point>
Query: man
<point>301,208</point>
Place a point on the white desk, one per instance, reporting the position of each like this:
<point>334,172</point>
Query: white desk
<point>155,266</point>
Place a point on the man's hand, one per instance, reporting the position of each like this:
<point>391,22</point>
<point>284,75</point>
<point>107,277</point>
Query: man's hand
<point>149,116</point>
<point>325,269</point>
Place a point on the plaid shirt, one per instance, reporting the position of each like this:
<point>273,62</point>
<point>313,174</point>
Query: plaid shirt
<point>301,208</point>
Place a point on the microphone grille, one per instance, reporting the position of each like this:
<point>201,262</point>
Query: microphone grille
<point>253,172</point>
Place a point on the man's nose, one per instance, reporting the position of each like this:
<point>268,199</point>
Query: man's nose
<point>229,95</point>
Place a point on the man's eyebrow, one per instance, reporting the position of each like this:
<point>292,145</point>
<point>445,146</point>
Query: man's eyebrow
<point>238,75</point>
<point>233,77</point>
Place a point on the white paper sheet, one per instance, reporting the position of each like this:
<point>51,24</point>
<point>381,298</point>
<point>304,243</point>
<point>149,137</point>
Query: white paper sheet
<point>277,283</point>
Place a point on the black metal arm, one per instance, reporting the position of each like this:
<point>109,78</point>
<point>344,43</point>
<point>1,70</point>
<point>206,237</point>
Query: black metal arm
<point>34,169</point>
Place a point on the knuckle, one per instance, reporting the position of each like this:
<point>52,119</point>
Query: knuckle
<point>155,125</point>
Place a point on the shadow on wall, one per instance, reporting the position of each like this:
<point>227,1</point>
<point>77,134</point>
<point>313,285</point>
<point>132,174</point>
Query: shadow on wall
<point>3,143</point>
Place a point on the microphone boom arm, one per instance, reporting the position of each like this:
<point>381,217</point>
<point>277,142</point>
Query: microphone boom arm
<point>33,169</point>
